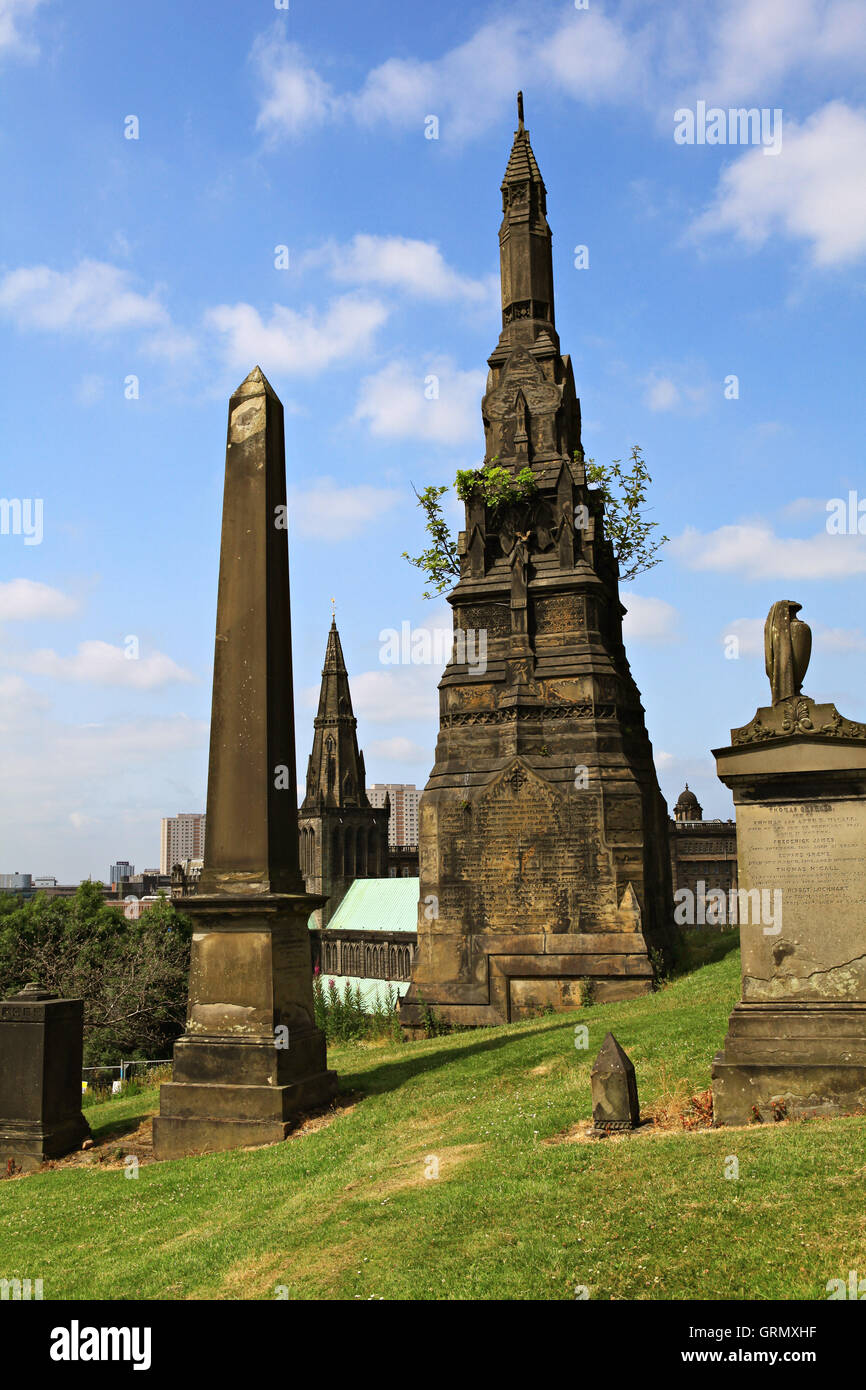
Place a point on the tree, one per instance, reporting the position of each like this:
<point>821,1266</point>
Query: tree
<point>132,975</point>
<point>623,493</point>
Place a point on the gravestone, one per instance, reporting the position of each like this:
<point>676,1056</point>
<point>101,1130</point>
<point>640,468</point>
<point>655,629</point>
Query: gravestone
<point>543,836</point>
<point>796,1042</point>
<point>251,1056</point>
<point>41,1044</point>
<point>615,1105</point>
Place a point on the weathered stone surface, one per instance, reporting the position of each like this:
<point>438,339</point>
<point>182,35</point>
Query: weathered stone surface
<point>251,1056</point>
<point>41,1041</point>
<point>542,820</point>
<point>797,1040</point>
<point>615,1105</point>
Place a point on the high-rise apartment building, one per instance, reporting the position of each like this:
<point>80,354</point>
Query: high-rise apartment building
<point>122,869</point>
<point>403,823</point>
<point>182,837</point>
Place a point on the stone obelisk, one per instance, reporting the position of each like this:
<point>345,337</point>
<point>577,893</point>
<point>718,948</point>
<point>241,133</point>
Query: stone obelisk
<point>251,1055</point>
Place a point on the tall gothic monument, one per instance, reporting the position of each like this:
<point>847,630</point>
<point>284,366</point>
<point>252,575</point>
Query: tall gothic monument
<point>544,854</point>
<point>342,837</point>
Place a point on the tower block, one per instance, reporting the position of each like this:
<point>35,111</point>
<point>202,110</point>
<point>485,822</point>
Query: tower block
<point>543,834</point>
<point>251,1056</point>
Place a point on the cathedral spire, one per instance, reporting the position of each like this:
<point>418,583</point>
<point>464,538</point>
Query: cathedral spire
<point>525,257</point>
<point>335,772</point>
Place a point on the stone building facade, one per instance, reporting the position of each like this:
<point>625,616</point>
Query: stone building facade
<point>702,851</point>
<point>342,837</point>
<point>544,856</point>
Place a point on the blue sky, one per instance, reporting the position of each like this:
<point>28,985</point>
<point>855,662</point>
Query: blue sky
<point>154,258</point>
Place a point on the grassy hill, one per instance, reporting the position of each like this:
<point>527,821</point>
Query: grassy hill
<point>523,1207</point>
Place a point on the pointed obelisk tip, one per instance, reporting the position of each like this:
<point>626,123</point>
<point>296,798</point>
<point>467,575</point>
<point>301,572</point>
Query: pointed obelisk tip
<point>520,111</point>
<point>612,1056</point>
<point>256,384</point>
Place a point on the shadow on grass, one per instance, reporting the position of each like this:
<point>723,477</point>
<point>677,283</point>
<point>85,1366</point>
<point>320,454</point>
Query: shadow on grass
<point>390,1075</point>
<point>116,1129</point>
<point>704,946</point>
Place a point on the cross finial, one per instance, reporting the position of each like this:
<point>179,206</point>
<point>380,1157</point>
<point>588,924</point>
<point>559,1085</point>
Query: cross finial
<point>334,609</point>
<point>520,110</point>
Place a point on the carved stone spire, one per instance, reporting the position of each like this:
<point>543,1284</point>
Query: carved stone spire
<point>525,257</point>
<point>335,772</point>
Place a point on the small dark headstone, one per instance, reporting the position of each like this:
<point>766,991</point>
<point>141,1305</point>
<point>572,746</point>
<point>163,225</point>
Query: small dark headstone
<point>41,1044</point>
<point>614,1090</point>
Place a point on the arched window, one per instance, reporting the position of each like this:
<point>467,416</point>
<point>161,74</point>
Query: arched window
<point>336,853</point>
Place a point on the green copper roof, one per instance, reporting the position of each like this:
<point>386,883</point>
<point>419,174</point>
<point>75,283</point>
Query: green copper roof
<point>378,904</point>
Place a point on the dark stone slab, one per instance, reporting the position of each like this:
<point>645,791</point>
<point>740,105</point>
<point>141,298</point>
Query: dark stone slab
<point>41,1044</point>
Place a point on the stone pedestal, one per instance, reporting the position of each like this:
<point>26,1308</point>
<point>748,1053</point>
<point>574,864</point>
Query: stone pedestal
<point>251,1056</point>
<point>40,1078</point>
<point>796,1043</point>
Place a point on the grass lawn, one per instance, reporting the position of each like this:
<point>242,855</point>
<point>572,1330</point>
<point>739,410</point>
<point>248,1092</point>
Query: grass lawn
<point>517,1211</point>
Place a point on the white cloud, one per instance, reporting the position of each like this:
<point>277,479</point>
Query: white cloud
<point>332,511</point>
<point>814,190</point>
<point>750,637</point>
<point>301,342</point>
<point>756,44</point>
<point>749,633</point>
<point>398,750</point>
<point>664,393</point>
<point>438,402</point>
<point>415,267</point>
<point>14,17</point>
<point>661,394</point>
<point>649,620</point>
<point>85,747</point>
<point>468,88</point>
<point>19,703</point>
<point>397,694</point>
<point>721,54</point>
<point>91,298</point>
<point>593,58</point>
<point>752,550</point>
<point>294,96</point>
<point>100,663</point>
<point>26,599</point>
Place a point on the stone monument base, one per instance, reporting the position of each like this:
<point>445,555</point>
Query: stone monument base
<point>251,1058</point>
<point>526,974</point>
<point>791,1060</point>
<point>230,1095</point>
<point>31,1144</point>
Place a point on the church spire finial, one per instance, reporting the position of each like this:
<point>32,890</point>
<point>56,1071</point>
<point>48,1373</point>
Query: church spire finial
<point>520,111</point>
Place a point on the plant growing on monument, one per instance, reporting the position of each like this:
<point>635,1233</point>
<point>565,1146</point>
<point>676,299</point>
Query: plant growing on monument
<point>624,492</point>
<point>623,489</point>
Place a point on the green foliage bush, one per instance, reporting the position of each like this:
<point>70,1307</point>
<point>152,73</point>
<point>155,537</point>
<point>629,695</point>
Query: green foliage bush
<point>132,975</point>
<point>343,1017</point>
